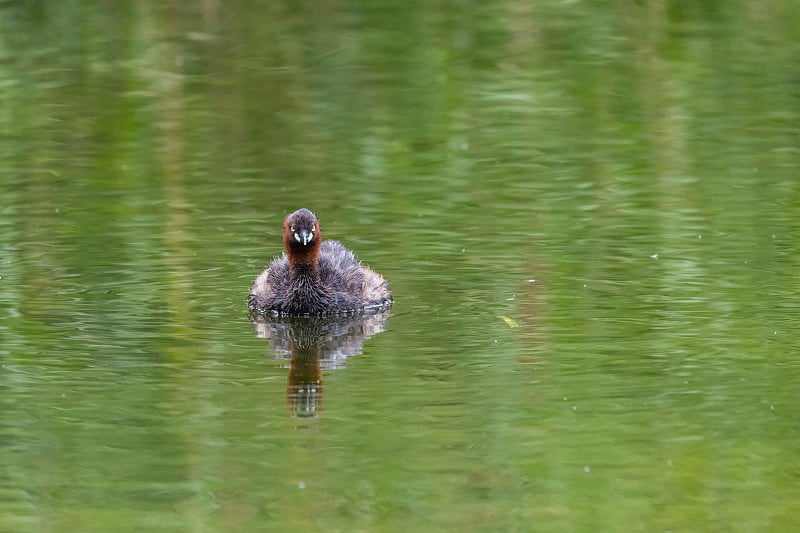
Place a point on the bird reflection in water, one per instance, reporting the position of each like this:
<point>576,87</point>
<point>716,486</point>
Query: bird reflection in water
<point>314,344</point>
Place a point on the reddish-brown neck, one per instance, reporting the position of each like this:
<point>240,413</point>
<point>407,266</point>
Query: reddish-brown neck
<point>299,255</point>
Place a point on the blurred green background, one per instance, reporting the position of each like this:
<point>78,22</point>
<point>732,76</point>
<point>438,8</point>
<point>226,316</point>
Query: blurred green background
<point>589,214</point>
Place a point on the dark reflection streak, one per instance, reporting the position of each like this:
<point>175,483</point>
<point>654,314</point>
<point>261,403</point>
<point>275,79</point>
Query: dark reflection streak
<point>312,344</point>
<point>304,385</point>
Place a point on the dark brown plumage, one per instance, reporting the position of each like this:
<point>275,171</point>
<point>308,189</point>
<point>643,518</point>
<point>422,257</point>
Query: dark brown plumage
<point>315,277</point>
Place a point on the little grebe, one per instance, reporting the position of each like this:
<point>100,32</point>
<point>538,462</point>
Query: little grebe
<point>315,277</point>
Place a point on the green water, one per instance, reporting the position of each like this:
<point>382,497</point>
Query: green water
<point>589,214</point>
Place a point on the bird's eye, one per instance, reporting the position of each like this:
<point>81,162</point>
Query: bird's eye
<point>291,229</point>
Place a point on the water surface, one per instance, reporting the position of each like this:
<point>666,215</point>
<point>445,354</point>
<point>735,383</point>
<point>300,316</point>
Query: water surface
<point>588,213</point>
